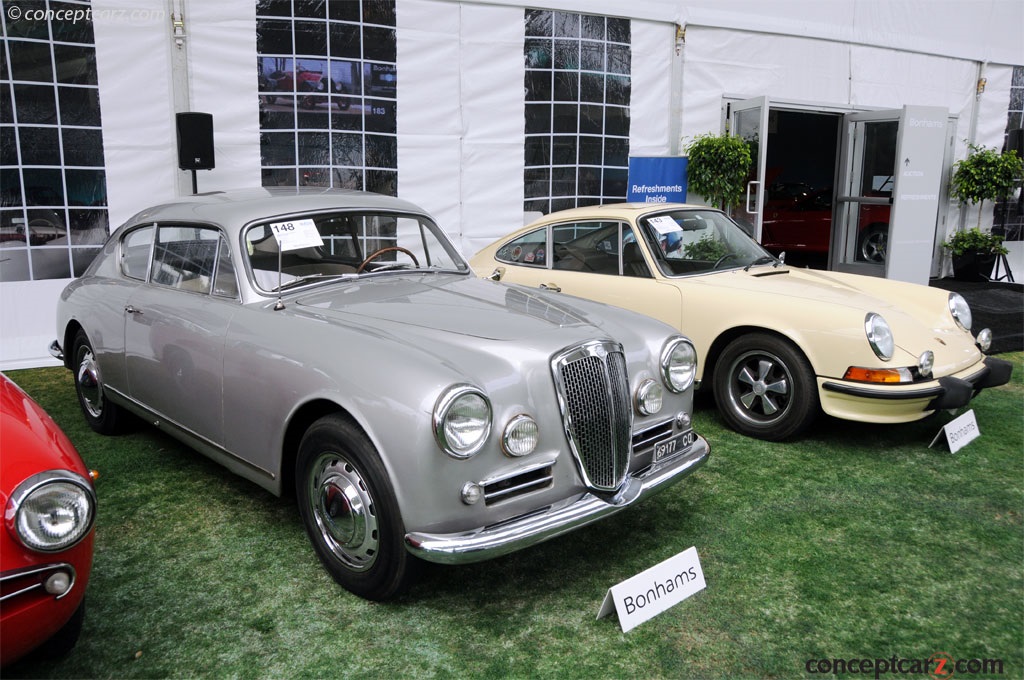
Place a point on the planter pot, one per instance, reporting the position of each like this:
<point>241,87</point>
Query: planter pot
<point>973,266</point>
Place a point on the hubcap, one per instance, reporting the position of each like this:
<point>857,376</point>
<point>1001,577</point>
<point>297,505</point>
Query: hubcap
<point>344,512</point>
<point>90,387</point>
<point>760,388</point>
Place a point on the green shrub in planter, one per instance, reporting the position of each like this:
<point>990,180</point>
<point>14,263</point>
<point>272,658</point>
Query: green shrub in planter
<point>717,168</point>
<point>984,174</point>
<point>974,252</point>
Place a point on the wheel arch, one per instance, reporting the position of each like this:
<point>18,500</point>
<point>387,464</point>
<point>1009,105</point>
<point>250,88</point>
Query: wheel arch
<point>67,342</point>
<point>727,336</point>
<point>298,424</point>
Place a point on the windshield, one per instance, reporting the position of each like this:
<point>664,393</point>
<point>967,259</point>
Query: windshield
<point>688,242</point>
<point>352,245</point>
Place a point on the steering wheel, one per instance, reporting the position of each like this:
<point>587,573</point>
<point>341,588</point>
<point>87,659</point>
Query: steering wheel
<point>723,258</point>
<point>377,253</point>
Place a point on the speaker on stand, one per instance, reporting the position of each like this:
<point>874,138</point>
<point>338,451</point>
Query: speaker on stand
<point>195,143</point>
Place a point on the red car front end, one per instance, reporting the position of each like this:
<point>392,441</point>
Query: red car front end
<point>46,545</point>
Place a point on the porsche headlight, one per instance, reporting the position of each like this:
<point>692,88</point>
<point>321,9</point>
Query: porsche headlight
<point>462,420</point>
<point>678,364</point>
<point>879,336</point>
<point>51,511</point>
<point>960,311</point>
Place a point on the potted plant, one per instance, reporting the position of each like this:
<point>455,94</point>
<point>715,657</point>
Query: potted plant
<point>984,174</point>
<point>974,253</point>
<point>718,167</point>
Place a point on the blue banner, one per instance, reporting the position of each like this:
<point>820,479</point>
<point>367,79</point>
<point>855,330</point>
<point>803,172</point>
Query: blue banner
<point>657,179</point>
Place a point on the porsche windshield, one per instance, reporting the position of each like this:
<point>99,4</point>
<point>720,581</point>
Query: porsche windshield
<point>326,246</point>
<point>688,242</point>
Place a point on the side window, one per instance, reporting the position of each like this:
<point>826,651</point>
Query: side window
<point>135,248</point>
<point>528,249</point>
<point>224,283</point>
<point>591,247</point>
<point>184,257</point>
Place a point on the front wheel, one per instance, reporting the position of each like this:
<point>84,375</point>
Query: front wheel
<point>765,388</point>
<point>102,415</point>
<point>350,512</point>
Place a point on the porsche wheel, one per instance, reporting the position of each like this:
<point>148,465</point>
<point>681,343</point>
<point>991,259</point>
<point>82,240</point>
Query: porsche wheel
<point>764,388</point>
<point>102,415</point>
<point>350,512</point>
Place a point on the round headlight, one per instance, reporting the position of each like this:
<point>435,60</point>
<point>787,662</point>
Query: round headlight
<point>521,436</point>
<point>879,336</point>
<point>960,311</point>
<point>678,364</point>
<point>649,397</point>
<point>51,511</point>
<point>462,421</point>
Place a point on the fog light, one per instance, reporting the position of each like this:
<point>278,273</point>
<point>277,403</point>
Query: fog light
<point>925,363</point>
<point>683,420</point>
<point>649,398</point>
<point>58,583</point>
<point>471,493</point>
<point>520,437</point>
<point>984,339</point>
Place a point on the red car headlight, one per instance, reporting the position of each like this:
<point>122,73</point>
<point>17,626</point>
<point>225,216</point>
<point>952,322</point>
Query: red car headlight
<point>51,511</point>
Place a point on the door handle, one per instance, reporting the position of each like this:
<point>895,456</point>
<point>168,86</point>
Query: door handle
<point>749,186</point>
<point>131,310</point>
<point>497,274</point>
<point>551,287</point>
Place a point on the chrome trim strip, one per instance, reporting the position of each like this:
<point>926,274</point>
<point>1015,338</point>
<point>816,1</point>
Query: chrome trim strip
<point>488,542</point>
<point>29,571</point>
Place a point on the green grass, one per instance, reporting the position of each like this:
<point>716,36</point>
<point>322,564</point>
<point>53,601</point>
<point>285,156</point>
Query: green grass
<point>855,541</point>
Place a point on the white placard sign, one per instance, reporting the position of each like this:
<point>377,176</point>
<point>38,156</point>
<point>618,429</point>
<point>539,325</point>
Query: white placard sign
<point>644,596</point>
<point>959,432</point>
<point>296,234</point>
<point>663,224</point>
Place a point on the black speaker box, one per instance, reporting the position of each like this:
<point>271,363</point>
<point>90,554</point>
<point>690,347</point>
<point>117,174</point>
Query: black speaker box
<point>195,141</point>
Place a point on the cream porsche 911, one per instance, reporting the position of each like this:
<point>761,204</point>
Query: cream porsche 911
<point>778,345</point>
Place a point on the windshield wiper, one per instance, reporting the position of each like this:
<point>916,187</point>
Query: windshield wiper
<point>309,277</point>
<point>764,259</point>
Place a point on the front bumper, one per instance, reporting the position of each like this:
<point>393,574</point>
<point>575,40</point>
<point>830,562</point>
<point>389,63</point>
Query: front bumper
<point>949,392</point>
<point>554,520</point>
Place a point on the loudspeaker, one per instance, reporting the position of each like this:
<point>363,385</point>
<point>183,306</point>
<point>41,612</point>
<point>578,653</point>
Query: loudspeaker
<point>1015,141</point>
<point>195,141</point>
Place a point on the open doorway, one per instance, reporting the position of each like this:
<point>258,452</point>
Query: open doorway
<point>800,170</point>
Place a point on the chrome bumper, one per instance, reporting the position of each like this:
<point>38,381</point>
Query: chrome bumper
<point>487,542</point>
<point>55,351</point>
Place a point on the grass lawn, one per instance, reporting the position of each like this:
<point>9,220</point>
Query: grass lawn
<point>856,541</point>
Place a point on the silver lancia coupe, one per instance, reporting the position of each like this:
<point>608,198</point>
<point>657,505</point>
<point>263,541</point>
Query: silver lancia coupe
<point>336,345</point>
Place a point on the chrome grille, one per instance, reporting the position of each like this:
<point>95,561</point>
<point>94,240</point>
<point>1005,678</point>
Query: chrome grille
<point>593,393</point>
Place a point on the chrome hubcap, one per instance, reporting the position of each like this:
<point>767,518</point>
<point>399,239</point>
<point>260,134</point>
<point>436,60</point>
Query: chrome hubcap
<point>90,387</point>
<point>344,512</point>
<point>760,390</point>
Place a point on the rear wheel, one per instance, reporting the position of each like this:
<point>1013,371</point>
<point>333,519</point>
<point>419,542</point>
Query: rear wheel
<point>102,415</point>
<point>350,511</point>
<point>765,388</point>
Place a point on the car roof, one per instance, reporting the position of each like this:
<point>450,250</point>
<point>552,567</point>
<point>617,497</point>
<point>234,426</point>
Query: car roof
<point>616,210</point>
<point>238,207</point>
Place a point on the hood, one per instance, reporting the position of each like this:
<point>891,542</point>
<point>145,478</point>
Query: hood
<point>802,284</point>
<point>454,304</point>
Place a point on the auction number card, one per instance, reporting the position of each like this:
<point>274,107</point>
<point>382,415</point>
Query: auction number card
<point>296,234</point>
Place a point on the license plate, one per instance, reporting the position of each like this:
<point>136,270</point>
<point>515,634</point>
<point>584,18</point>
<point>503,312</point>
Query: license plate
<point>674,446</point>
